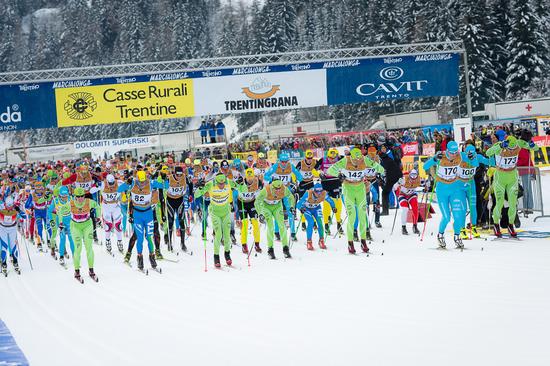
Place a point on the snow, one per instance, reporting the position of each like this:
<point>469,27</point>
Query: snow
<point>412,305</point>
<point>40,18</point>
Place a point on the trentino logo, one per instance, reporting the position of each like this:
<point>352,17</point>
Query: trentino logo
<point>80,106</point>
<point>12,114</point>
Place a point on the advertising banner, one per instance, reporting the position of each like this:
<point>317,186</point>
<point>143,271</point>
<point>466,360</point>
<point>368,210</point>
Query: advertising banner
<point>462,128</point>
<point>379,79</point>
<point>410,148</point>
<point>115,144</point>
<point>27,106</point>
<point>265,92</point>
<point>119,103</point>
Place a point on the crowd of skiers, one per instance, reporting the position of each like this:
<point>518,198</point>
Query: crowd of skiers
<point>158,203</point>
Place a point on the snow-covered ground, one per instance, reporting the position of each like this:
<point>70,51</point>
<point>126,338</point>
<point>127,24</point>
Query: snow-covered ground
<point>487,305</point>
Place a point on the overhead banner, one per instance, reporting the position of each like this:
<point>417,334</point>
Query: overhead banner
<point>406,77</point>
<point>119,103</point>
<point>27,106</point>
<point>226,91</point>
<point>115,145</point>
<point>253,93</point>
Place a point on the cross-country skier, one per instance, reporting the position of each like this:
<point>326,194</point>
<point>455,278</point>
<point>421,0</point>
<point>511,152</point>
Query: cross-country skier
<point>351,170</point>
<point>405,189</point>
<point>9,212</point>
<point>310,206</point>
<point>245,195</point>
<point>61,205</point>
<point>506,179</point>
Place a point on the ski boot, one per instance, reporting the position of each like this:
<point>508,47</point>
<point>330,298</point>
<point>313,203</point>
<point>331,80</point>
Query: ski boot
<point>158,254</point>
<point>92,275</point>
<point>120,246</point>
<point>293,237</point>
<point>277,236</point>
<point>303,226</point>
<point>512,231</point>
<point>441,240</point>
<point>464,234</point>
<point>475,233</point>
<point>322,243</point>
<point>458,242</point>
<point>271,253</point>
<point>127,257</point>
<point>178,232</point>
<point>415,229</point>
<point>187,231</point>
<point>227,256</point>
<point>217,263</point>
<point>62,260</point>
<point>233,239</point>
<point>52,251</point>
<point>369,236</point>
<point>257,247</point>
<point>351,248</point>
<point>77,276</point>
<point>39,245</point>
<point>245,248</point>
<point>286,252</point>
<point>355,236</point>
<point>378,224</point>
<point>340,228</point>
<point>16,266</point>
<point>364,246</point>
<point>153,261</point>
<point>404,230</point>
<point>496,230</point>
<point>108,245</point>
<point>327,229</point>
<point>5,269</point>
<point>309,244</point>
<point>140,261</point>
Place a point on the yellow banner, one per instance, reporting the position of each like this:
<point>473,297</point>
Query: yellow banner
<point>119,103</point>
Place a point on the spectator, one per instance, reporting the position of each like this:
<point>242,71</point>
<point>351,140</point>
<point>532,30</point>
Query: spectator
<point>526,173</point>
<point>212,131</point>
<point>220,131</point>
<point>204,132</point>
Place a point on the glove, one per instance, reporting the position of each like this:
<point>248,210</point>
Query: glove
<point>532,144</point>
<point>129,180</point>
<point>163,218</point>
<point>261,218</point>
<point>52,223</point>
<point>504,144</point>
<point>342,177</point>
<point>303,210</point>
<point>131,219</point>
<point>334,210</point>
<point>200,183</point>
<point>322,175</point>
<point>438,155</point>
<point>292,211</point>
<point>471,155</point>
<point>239,180</point>
<point>61,226</point>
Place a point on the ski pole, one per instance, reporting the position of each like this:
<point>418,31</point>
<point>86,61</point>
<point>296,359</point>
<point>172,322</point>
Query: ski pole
<point>204,236</point>
<point>342,223</point>
<point>394,219</point>
<point>427,211</point>
<point>28,255</point>
<point>301,217</point>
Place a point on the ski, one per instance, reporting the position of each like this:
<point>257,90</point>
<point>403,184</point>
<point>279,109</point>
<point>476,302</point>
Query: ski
<point>169,260</point>
<point>80,279</point>
<point>233,267</point>
<point>5,273</point>
<point>157,269</point>
<point>224,268</point>
<point>505,238</point>
<point>94,277</point>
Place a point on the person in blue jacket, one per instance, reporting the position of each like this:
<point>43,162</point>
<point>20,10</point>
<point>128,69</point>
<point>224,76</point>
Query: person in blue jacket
<point>220,131</point>
<point>310,206</point>
<point>450,189</point>
<point>204,132</point>
<point>212,131</point>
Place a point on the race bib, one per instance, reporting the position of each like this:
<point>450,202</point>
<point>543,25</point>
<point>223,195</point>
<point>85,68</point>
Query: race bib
<point>284,178</point>
<point>354,175</point>
<point>140,199</point>
<point>466,173</point>
<point>307,175</point>
<point>507,163</point>
<point>85,185</point>
<point>248,196</point>
<point>175,191</point>
<point>447,172</point>
<point>110,197</point>
<point>8,220</point>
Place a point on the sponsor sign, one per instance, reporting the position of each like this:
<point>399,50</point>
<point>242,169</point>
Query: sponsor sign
<point>116,144</point>
<point>462,128</point>
<point>23,107</point>
<point>406,77</point>
<point>260,92</point>
<point>410,148</point>
<point>128,102</point>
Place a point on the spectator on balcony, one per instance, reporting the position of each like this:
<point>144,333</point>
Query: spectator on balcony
<point>220,131</point>
<point>204,132</point>
<point>212,131</point>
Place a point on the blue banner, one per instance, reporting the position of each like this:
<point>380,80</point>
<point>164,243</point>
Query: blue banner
<point>380,79</point>
<point>27,106</point>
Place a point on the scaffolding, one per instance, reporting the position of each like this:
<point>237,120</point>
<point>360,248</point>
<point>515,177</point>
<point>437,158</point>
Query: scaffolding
<point>269,59</point>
